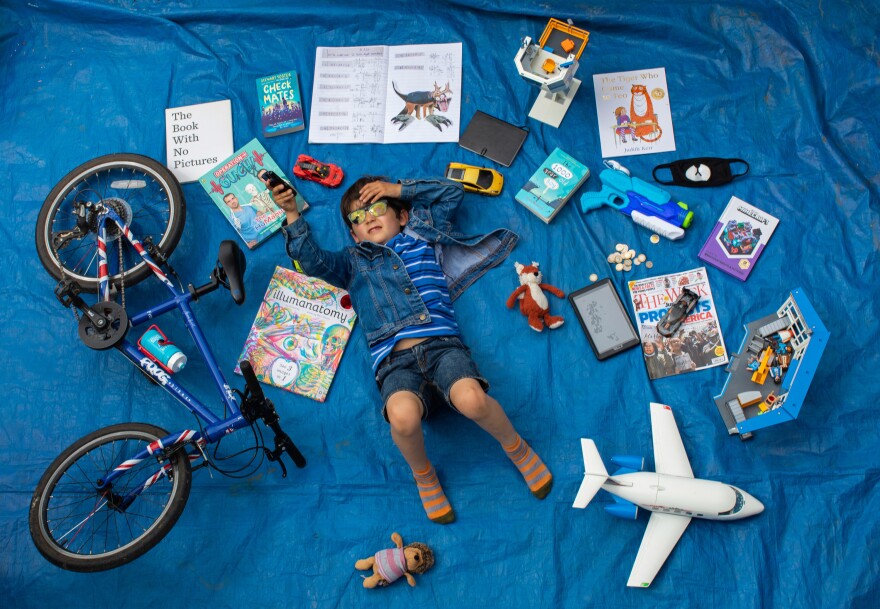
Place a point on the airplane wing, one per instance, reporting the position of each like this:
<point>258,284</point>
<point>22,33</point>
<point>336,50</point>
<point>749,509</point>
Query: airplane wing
<point>663,532</point>
<point>669,455</point>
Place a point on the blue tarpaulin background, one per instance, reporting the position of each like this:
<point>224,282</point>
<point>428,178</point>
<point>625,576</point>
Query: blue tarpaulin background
<point>792,87</point>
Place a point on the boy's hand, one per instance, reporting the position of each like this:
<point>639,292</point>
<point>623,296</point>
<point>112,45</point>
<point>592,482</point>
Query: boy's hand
<point>284,199</point>
<point>374,191</point>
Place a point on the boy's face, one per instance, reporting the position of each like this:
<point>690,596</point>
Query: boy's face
<point>378,229</point>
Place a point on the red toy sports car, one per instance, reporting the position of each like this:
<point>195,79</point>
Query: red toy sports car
<point>308,168</point>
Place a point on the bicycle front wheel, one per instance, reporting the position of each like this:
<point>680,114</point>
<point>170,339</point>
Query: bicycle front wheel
<point>78,528</point>
<point>144,193</point>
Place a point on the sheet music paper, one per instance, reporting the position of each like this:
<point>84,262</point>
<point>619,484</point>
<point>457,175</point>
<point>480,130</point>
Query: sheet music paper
<point>354,101</point>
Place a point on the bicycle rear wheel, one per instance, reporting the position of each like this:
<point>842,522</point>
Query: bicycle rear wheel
<point>145,194</point>
<point>77,528</point>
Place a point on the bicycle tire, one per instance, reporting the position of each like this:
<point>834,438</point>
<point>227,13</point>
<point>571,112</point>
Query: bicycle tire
<point>144,192</point>
<point>66,501</point>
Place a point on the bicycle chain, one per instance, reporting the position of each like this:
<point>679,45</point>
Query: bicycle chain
<point>63,271</point>
<point>121,273</point>
<point>64,275</point>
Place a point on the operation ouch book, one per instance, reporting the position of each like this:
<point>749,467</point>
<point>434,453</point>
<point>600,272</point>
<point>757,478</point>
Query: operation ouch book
<point>236,188</point>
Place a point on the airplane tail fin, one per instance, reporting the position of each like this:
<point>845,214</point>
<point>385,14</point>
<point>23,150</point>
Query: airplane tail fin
<point>595,474</point>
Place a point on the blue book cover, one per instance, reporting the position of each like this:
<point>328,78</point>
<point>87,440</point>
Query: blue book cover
<point>239,188</point>
<point>281,108</point>
<point>553,184</point>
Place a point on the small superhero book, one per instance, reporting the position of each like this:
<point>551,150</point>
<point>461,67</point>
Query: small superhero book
<point>280,101</point>
<point>300,332</point>
<point>552,185</point>
<point>239,187</point>
<point>738,238</point>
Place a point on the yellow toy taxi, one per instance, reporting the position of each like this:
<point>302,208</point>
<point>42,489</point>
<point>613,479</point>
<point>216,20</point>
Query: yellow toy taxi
<point>481,180</point>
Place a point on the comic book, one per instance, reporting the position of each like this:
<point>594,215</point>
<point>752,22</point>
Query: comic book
<point>634,113</point>
<point>300,332</point>
<point>738,238</point>
<point>280,104</point>
<point>237,190</point>
<point>697,344</point>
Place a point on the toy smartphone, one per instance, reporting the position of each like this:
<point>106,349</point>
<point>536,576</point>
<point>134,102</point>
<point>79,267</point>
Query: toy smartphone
<point>273,180</point>
<point>604,319</point>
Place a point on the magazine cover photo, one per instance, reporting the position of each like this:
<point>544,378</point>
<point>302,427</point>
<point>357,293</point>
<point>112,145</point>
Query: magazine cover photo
<point>697,344</point>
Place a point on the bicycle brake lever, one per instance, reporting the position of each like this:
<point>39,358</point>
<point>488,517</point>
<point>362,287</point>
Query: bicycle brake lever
<point>283,444</point>
<point>276,456</point>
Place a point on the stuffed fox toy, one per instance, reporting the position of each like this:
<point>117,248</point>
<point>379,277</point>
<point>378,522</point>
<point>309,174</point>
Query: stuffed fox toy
<point>532,300</point>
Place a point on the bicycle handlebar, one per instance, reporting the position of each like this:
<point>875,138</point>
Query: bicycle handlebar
<point>253,388</point>
<point>256,405</point>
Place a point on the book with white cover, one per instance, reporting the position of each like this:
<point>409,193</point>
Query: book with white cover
<point>197,137</point>
<point>634,112</point>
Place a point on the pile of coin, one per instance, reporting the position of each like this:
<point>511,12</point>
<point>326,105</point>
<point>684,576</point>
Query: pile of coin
<point>623,258</point>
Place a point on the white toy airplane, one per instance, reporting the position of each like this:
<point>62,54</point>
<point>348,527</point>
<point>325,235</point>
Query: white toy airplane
<point>671,493</point>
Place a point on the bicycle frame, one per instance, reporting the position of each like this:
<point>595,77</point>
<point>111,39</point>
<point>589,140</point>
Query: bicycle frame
<point>215,427</point>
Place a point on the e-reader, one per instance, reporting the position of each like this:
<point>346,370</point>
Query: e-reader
<point>604,319</point>
<point>493,138</point>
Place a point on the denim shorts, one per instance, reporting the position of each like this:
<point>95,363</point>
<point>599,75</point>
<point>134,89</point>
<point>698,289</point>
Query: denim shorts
<point>429,370</point>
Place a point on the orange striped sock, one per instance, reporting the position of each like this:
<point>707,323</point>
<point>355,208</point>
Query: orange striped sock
<point>434,500</point>
<point>529,464</point>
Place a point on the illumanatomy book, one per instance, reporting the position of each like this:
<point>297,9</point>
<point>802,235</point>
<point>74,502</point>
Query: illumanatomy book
<point>280,103</point>
<point>300,332</point>
<point>552,185</point>
<point>237,190</point>
<point>738,238</point>
<point>634,113</point>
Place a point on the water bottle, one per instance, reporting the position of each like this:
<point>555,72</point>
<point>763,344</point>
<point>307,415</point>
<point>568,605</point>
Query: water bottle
<point>154,343</point>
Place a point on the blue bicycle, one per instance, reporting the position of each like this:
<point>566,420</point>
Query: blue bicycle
<point>115,493</point>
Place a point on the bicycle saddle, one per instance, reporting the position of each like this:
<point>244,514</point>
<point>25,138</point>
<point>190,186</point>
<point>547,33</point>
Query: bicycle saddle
<point>232,263</point>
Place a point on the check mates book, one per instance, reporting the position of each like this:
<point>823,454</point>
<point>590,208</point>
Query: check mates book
<point>552,185</point>
<point>237,190</point>
<point>738,238</point>
<point>280,101</point>
<point>300,332</point>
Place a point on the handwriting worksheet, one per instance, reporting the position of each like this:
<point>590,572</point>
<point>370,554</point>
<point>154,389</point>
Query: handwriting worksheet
<point>386,94</point>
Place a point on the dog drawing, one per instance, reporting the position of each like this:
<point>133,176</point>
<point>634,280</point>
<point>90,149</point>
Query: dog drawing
<point>423,104</point>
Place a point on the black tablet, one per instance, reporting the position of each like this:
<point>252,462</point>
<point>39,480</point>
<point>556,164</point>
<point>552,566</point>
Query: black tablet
<point>604,319</point>
<point>493,138</point>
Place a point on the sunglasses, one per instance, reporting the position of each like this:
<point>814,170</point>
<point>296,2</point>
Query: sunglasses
<point>377,209</point>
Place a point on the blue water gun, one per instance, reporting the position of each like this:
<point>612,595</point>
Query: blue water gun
<point>646,204</point>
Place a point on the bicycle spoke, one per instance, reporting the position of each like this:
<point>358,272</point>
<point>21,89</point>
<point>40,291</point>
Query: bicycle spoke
<point>81,522</point>
<point>146,197</point>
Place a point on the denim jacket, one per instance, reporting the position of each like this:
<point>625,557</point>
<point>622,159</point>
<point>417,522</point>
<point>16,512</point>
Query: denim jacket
<point>382,293</point>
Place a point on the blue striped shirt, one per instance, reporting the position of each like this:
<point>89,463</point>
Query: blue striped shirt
<point>421,265</point>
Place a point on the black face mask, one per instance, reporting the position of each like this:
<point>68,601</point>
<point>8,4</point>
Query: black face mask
<point>706,171</point>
